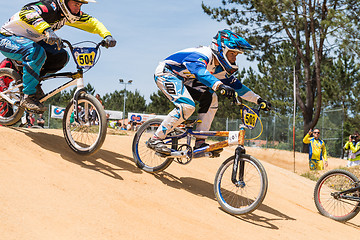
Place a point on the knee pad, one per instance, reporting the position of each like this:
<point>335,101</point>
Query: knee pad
<point>187,110</point>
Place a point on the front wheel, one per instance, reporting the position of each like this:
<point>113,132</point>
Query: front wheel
<point>247,193</point>
<point>330,198</point>
<point>85,135</point>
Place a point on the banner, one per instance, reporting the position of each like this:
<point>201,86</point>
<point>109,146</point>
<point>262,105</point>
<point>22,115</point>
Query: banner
<point>140,117</point>
<point>57,112</point>
<point>114,114</point>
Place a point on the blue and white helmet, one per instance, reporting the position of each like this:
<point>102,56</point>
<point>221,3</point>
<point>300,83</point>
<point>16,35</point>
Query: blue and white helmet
<point>224,41</point>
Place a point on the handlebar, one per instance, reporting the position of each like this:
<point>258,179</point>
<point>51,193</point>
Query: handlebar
<point>237,100</point>
<point>70,46</point>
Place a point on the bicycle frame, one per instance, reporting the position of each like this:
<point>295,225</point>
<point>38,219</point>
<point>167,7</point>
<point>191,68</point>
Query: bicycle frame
<point>76,79</point>
<point>235,137</point>
<point>342,194</point>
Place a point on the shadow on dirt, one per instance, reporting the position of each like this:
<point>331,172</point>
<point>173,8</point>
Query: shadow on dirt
<point>105,162</point>
<point>205,189</point>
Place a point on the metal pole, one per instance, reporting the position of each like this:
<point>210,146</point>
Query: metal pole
<point>49,115</point>
<point>294,116</point>
<point>124,106</point>
<point>121,81</point>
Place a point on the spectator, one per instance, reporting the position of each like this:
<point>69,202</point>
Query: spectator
<point>93,116</point>
<point>317,150</point>
<point>353,145</point>
<point>40,121</point>
<point>99,98</point>
<point>118,124</point>
<point>128,126</point>
<point>30,120</point>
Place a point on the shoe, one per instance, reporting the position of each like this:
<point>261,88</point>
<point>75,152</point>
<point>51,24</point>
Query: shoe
<point>159,146</point>
<point>32,103</point>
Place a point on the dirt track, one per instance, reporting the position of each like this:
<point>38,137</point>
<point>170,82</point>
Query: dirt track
<point>48,192</point>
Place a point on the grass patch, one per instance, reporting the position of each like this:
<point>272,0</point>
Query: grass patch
<point>315,175</point>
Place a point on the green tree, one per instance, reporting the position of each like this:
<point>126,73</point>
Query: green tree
<point>115,101</point>
<point>159,104</point>
<point>306,25</point>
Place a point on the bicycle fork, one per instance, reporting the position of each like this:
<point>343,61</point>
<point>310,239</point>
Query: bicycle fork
<point>238,167</point>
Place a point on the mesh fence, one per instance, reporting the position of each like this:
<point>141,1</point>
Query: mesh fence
<point>277,131</point>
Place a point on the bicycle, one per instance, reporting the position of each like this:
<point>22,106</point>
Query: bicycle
<point>241,181</point>
<point>82,136</point>
<point>337,195</point>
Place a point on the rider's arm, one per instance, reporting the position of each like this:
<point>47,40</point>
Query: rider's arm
<point>324,153</point>
<point>242,90</point>
<point>306,139</point>
<point>91,25</point>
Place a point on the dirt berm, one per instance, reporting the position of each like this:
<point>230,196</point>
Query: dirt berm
<point>47,192</point>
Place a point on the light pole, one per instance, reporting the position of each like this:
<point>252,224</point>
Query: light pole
<point>121,81</point>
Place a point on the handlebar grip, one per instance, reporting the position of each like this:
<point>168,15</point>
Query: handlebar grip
<point>262,105</point>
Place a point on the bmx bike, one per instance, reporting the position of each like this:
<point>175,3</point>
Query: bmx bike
<point>81,134</point>
<point>241,181</point>
<point>337,195</point>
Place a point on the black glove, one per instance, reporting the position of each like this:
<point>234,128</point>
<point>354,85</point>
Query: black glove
<point>264,105</point>
<point>109,41</point>
<point>51,38</point>
<point>227,91</point>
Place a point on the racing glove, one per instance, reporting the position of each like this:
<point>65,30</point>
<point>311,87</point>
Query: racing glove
<point>109,41</point>
<point>51,38</point>
<point>264,105</point>
<point>227,91</point>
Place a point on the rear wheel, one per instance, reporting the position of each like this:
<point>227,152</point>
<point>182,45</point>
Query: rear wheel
<point>146,158</point>
<point>329,199</point>
<point>11,113</point>
<point>86,135</point>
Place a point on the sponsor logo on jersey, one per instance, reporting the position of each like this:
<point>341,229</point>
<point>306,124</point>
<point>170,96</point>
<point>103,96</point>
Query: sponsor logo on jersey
<point>43,8</point>
<point>8,44</point>
<point>203,61</point>
<point>53,5</point>
<point>59,24</point>
<point>37,22</point>
<point>32,34</point>
<point>36,8</point>
<point>31,15</point>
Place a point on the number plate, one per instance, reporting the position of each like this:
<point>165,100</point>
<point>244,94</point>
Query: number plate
<point>249,117</point>
<point>85,57</point>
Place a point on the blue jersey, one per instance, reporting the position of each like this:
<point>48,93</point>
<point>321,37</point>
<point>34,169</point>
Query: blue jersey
<point>198,63</point>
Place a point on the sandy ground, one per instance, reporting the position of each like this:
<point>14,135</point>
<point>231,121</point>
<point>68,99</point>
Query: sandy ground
<point>49,192</point>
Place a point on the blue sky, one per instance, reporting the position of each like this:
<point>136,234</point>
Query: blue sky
<point>147,31</point>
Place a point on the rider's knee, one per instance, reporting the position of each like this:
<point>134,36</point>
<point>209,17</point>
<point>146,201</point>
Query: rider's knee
<point>35,56</point>
<point>187,110</point>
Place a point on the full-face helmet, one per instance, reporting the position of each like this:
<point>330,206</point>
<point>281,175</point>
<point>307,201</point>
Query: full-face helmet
<point>224,41</point>
<point>65,9</point>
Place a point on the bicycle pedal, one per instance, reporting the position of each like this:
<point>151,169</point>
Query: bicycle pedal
<point>215,154</point>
